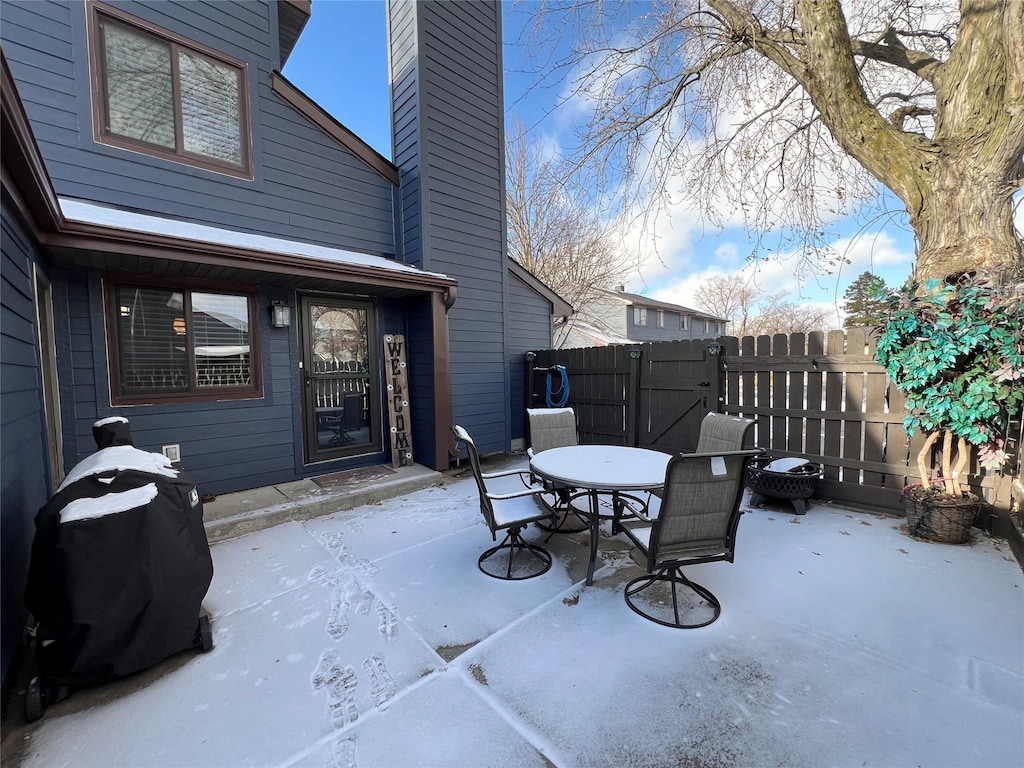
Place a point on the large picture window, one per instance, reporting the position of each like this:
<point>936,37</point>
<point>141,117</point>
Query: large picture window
<point>158,94</point>
<point>169,342</point>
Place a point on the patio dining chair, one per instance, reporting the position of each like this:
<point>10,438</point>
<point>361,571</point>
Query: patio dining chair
<point>511,511</point>
<point>722,432</point>
<point>697,523</point>
<point>718,432</point>
<point>555,428</point>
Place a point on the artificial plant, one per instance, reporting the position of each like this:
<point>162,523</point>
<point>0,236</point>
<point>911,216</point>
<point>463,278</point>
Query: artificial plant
<point>956,351</point>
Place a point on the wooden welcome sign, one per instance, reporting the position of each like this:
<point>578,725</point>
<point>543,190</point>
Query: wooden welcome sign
<point>398,400</point>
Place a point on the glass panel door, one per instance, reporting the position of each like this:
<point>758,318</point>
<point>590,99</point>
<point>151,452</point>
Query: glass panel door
<point>341,403</point>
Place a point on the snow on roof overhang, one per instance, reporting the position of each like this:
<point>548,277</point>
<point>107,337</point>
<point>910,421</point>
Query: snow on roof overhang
<point>259,251</point>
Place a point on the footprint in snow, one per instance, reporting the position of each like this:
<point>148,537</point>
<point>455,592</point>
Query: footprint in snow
<point>388,625</point>
<point>337,624</point>
<point>382,684</point>
<point>341,754</point>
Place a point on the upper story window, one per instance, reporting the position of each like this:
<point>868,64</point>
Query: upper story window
<point>170,342</point>
<point>684,322</point>
<point>661,318</point>
<point>639,315</point>
<point>162,95</point>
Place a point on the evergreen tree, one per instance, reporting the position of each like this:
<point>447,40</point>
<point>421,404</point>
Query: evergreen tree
<point>865,301</point>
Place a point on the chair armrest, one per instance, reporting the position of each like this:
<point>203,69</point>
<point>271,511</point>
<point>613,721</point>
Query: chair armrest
<point>639,535</point>
<point>533,491</point>
<point>505,473</point>
<point>630,510</point>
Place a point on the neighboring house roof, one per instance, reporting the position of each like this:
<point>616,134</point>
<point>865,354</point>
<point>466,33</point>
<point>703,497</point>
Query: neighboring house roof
<point>636,299</point>
<point>567,333</point>
<point>316,114</point>
<point>559,306</point>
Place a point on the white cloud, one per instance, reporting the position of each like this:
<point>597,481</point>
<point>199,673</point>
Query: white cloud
<point>880,253</point>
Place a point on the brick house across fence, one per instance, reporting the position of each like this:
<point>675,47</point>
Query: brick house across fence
<point>821,396</point>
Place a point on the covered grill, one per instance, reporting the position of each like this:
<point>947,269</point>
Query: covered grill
<point>120,566</point>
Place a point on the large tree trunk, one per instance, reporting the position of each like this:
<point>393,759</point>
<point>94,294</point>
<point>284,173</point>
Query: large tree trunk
<point>965,218</point>
<point>965,221</point>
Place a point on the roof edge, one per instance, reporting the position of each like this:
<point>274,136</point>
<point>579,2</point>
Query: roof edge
<point>635,299</point>
<point>297,13</point>
<point>85,234</point>
<point>28,175</point>
<point>559,306</point>
<point>317,115</point>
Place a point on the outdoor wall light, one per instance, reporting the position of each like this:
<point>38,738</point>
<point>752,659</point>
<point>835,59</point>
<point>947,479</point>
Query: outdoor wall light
<point>280,314</point>
<point>715,349</point>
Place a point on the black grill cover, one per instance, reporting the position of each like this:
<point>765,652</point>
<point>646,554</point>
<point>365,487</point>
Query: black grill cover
<point>120,563</point>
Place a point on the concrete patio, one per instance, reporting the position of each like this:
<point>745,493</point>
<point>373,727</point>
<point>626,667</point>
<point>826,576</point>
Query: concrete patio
<point>368,637</point>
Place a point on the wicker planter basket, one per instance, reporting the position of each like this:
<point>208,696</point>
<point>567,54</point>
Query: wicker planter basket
<point>936,516</point>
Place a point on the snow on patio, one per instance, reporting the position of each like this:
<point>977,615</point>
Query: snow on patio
<point>369,638</point>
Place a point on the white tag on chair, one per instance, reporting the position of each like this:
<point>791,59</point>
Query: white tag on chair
<point>718,465</point>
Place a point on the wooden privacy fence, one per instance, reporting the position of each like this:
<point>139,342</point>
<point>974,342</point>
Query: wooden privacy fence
<point>820,396</point>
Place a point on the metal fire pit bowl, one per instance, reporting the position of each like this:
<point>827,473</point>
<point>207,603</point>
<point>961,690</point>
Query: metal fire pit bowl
<point>795,486</point>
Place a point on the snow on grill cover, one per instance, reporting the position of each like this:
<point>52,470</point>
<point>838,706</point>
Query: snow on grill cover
<point>120,563</point>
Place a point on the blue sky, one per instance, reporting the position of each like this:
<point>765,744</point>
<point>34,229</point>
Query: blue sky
<point>341,62</point>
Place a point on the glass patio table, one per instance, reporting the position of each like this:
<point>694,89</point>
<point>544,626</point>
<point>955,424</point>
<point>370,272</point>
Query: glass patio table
<point>601,469</point>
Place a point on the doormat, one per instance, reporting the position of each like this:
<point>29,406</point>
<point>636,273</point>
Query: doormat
<point>352,477</point>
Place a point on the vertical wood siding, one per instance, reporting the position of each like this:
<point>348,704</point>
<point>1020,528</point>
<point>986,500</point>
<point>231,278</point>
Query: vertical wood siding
<point>23,456</point>
<point>448,129</point>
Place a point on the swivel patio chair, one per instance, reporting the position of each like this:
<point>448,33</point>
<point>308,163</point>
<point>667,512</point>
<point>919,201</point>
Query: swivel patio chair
<point>514,558</point>
<point>722,432</point>
<point>718,432</point>
<point>555,428</point>
<point>697,523</point>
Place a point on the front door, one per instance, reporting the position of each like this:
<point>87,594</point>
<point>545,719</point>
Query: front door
<point>341,379</point>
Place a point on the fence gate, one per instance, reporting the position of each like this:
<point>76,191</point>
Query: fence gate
<point>647,395</point>
<point>679,383</point>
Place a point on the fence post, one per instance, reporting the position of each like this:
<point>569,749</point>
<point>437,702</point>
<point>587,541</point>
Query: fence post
<point>530,357</point>
<point>633,398</point>
<point>715,360</point>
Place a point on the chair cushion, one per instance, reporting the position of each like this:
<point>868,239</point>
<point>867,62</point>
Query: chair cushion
<point>641,536</point>
<point>518,510</point>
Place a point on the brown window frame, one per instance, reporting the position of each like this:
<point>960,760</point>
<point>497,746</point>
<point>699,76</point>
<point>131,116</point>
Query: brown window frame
<point>177,43</point>
<point>112,281</point>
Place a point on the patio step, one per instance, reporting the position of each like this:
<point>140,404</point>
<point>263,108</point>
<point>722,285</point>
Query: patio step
<point>235,514</point>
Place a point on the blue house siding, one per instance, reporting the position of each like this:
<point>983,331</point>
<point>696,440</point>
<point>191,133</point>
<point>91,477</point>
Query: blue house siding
<point>529,327</point>
<point>306,186</point>
<point>226,445</point>
<point>698,327</point>
<point>24,481</point>
<point>449,145</point>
